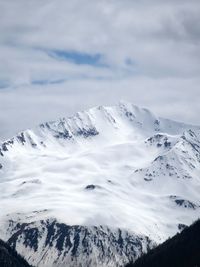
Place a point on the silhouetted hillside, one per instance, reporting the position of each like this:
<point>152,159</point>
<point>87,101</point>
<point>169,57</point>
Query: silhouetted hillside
<point>10,258</point>
<point>182,250</point>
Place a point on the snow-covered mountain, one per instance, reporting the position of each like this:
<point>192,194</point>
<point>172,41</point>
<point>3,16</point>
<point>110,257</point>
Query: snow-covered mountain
<point>117,179</point>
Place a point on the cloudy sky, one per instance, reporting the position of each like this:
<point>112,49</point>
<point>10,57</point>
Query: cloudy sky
<point>58,57</point>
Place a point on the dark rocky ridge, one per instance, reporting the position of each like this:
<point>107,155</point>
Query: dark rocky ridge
<point>76,245</point>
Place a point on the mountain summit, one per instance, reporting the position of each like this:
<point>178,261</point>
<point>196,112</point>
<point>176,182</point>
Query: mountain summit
<point>121,169</point>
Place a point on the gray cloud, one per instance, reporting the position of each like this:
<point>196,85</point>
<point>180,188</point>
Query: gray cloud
<point>182,27</point>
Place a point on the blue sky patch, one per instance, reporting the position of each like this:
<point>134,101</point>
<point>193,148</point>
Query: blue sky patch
<point>46,82</point>
<point>78,57</point>
<point>4,84</point>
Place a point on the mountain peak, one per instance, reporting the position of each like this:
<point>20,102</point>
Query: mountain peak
<point>112,167</point>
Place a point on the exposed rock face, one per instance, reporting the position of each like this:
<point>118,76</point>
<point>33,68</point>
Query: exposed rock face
<point>50,243</point>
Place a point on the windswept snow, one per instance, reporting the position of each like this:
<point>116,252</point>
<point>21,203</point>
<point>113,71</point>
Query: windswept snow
<point>118,166</point>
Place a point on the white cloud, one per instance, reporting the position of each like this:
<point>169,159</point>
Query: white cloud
<point>159,38</point>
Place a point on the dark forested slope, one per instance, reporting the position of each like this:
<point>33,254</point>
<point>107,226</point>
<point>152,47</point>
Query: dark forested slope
<point>10,258</point>
<point>182,250</point>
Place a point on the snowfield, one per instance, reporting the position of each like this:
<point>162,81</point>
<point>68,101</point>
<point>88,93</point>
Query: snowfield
<point>115,167</point>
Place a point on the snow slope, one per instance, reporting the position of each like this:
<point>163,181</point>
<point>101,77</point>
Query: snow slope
<point>120,167</point>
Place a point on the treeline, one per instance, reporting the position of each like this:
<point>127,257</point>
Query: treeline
<point>182,250</point>
<point>10,258</point>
